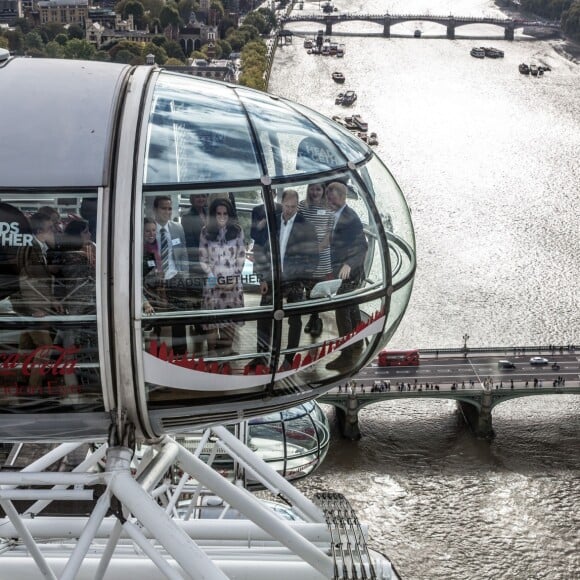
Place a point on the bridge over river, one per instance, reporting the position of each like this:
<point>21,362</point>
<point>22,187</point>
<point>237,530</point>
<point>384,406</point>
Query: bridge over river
<point>451,23</point>
<point>473,379</point>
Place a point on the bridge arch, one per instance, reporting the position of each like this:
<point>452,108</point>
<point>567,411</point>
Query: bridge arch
<point>505,396</point>
<point>476,405</point>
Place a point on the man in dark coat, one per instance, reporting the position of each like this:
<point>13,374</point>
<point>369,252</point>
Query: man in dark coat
<point>348,249</point>
<point>37,294</point>
<point>298,246</point>
<point>193,222</point>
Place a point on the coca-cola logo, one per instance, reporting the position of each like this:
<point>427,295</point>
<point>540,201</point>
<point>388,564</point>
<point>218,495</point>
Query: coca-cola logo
<point>48,360</point>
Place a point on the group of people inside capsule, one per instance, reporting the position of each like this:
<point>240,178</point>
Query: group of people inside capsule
<point>200,262</point>
<point>51,273</point>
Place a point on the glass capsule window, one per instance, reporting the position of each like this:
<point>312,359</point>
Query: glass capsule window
<point>264,255</point>
<point>48,318</point>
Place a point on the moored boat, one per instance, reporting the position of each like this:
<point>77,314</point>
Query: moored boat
<point>339,99</point>
<point>349,123</point>
<point>373,139</point>
<point>340,51</point>
<point>524,68</point>
<point>492,52</point>
<point>338,77</point>
<point>477,52</point>
<point>308,43</point>
<point>358,121</point>
<point>349,98</point>
<point>534,70</point>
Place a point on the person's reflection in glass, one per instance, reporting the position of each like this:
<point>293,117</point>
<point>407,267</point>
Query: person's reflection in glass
<point>222,254</point>
<point>75,288</point>
<point>153,289</point>
<point>36,296</point>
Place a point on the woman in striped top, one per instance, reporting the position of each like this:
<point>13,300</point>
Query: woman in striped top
<point>315,209</point>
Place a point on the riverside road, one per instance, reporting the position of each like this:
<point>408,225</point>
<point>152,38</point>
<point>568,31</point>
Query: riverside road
<point>446,370</point>
<point>477,382</point>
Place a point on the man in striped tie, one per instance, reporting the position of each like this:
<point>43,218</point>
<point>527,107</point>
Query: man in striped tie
<point>174,263</point>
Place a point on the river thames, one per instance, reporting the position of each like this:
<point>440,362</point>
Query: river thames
<point>488,160</point>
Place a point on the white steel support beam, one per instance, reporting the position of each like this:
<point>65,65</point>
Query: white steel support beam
<point>84,542</point>
<point>256,512</point>
<point>135,534</point>
<point>158,467</point>
<point>109,550</point>
<point>28,540</point>
<point>82,467</point>
<point>177,543</point>
<point>211,530</point>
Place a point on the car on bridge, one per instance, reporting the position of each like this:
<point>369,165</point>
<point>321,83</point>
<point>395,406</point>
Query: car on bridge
<point>506,364</point>
<point>539,360</point>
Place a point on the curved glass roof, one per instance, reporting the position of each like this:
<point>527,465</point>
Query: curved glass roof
<point>201,131</point>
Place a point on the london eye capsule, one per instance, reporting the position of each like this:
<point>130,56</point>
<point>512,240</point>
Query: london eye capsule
<point>182,251</point>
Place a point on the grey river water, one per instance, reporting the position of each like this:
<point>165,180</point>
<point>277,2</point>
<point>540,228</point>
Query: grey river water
<point>488,160</point>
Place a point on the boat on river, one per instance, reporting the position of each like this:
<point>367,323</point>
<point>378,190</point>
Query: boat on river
<point>360,124</point>
<point>524,68</point>
<point>340,51</point>
<point>348,98</point>
<point>373,140</point>
<point>349,123</point>
<point>477,52</point>
<point>338,77</point>
<point>492,52</point>
<point>534,70</point>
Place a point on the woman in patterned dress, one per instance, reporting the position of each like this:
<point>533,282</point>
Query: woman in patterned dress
<point>222,254</point>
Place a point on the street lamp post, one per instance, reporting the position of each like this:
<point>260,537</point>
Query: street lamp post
<point>465,339</point>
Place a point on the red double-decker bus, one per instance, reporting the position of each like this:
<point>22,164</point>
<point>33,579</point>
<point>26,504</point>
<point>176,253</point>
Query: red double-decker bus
<point>398,358</point>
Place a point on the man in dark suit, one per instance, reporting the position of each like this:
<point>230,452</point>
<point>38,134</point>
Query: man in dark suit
<point>259,233</point>
<point>175,266</point>
<point>348,249</point>
<point>298,247</point>
<point>36,293</point>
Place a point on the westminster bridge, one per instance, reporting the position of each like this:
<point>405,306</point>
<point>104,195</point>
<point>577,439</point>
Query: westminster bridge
<point>473,379</point>
<point>451,23</point>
